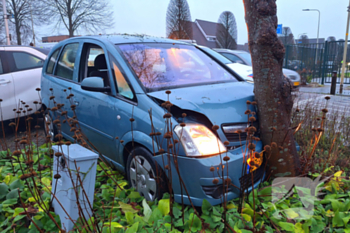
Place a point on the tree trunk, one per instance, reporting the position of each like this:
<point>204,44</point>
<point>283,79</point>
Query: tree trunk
<point>18,32</point>
<point>71,32</point>
<point>70,19</point>
<point>272,90</point>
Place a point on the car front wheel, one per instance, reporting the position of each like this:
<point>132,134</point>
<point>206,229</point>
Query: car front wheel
<point>144,175</point>
<point>49,129</point>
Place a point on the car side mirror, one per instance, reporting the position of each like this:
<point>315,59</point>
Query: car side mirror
<point>94,84</point>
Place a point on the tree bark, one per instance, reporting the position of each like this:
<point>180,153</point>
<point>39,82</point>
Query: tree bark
<point>272,90</point>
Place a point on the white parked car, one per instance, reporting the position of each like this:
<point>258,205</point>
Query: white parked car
<point>243,57</point>
<point>20,75</point>
<point>246,72</point>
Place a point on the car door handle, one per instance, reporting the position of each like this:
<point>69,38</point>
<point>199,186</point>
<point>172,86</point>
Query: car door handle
<point>4,81</point>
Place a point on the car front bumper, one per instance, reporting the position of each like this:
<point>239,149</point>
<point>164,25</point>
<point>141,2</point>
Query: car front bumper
<point>198,179</point>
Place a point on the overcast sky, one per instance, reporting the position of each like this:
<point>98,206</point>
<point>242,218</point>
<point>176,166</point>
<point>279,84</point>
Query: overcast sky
<point>148,16</point>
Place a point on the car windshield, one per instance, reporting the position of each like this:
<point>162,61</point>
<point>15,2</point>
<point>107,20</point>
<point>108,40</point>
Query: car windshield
<point>166,66</point>
<point>247,58</point>
<point>216,55</point>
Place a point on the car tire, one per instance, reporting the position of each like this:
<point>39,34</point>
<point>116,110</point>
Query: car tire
<point>50,129</point>
<point>144,175</point>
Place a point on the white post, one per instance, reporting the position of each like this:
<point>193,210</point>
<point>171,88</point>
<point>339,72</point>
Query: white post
<point>6,23</point>
<point>75,160</point>
<point>344,54</point>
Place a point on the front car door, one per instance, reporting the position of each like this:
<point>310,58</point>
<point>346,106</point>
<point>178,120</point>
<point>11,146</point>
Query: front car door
<point>103,116</point>
<point>95,111</point>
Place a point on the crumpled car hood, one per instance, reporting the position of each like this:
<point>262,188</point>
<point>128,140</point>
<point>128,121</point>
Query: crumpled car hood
<point>221,103</point>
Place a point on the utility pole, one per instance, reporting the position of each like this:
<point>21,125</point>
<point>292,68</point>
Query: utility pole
<point>31,14</point>
<point>344,53</point>
<point>6,23</point>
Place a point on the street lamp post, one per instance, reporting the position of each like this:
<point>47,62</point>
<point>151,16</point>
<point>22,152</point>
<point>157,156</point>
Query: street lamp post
<point>344,53</point>
<point>318,29</point>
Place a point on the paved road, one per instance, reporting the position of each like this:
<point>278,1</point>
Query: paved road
<point>338,109</point>
<point>10,136</point>
<point>335,104</point>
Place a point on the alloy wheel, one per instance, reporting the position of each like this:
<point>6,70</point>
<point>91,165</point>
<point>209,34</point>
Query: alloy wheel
<point>142,177</point>
<point>50,130</point>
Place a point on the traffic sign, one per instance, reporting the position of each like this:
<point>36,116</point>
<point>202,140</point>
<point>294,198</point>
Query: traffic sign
<point>279,29</point>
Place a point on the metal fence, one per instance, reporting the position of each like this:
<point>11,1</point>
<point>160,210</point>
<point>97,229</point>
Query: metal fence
<point>316,62</point>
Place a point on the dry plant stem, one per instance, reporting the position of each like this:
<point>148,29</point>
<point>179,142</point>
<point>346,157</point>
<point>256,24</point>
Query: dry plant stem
<point>25,210</point>
<point>313,149</point>
<point>228,226</point>
<point>277,230</point>
<point>254,219</point>
<point>110,218</point>
<point>56,182</point>
<point>81,214</point>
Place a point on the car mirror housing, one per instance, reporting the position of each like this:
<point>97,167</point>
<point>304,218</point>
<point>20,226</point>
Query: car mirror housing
<point>94,84</point>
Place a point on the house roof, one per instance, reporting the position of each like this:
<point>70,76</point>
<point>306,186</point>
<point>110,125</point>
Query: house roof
<point>200,38</point>
<point>209,28</point>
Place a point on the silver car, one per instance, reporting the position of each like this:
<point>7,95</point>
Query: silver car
<point>243,57</point>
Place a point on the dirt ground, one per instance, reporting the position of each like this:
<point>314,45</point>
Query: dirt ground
<point>38,135</point>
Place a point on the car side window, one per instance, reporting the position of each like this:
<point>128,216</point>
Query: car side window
<point>1,69</point>
<point>52,61</point>
<point>94,63</point>
<point>66,62</point>
<point>25,61</point>
<point>123,87</point>
<point>233,58</point>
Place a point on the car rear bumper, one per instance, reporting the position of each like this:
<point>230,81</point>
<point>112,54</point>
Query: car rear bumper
<point>198,179</point>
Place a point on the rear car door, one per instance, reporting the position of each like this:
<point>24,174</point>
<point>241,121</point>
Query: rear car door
<point>25,66</point>
<point>7,90</point>
<point>60,76</point>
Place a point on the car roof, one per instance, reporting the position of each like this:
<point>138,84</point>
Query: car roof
<point>126,39</point>
<point>231,51</point>
<point>42,50</point>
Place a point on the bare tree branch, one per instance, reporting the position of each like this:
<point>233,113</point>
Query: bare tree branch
<point>226,31</point>
<point>21,12</point>
<point>75,14</point>
<point>178,20</point>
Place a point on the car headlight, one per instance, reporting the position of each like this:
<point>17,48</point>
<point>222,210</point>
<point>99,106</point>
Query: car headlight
<point>199,141</point>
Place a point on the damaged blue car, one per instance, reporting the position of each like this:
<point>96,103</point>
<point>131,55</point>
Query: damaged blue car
<point>159,110</point>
